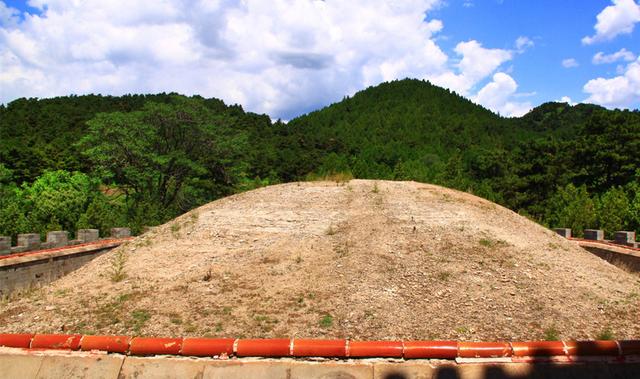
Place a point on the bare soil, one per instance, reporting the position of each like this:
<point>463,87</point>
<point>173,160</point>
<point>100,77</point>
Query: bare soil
<point>362,260</point>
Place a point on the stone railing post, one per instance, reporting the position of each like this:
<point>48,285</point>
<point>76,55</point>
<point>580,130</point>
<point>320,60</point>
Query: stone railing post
<point>57,238</point>
<point>120,232</point>
<point>28,241</point>
<point>625,238</point>
<point>565,232</point>
<point>88,235</point>
<point>5,245</point>
<point>594,234</point>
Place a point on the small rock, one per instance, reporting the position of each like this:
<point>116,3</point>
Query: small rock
<point>50,308</point>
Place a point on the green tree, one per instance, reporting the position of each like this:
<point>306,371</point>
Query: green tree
<point>165,151</point>
<point>613,211</point>
<point>573,208</point>
<point>633,190</point>
<point>57,200</point>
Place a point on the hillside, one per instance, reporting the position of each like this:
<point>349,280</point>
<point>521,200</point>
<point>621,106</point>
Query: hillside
<point>361,259</point>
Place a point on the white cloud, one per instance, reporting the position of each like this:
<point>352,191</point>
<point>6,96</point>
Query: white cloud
<point>496,95</point>
<point>278,57</point>
<point>620,55</point>
<point>566,99</point>
<point>569,63</point>
<point>614,20</point>
<point>523,43</point>
<point>477,63</point>
<point>620,91</point>
<point>8,16</point>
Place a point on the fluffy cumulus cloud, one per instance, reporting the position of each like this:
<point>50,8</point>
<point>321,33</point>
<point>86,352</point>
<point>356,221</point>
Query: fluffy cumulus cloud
<point>616,19</point>
<point>475,64</point>
<point>620,91</point>
<point>498,93</point>
<point>566,99</point>
<point>620,55</point>
<point>278,57</point>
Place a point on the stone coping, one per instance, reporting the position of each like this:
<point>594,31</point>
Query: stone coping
<point>608,245</point>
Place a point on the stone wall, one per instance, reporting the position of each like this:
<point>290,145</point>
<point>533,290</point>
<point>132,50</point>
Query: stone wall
<point>625,238</point>
<point>22,273</point>
<point>55,239</point>
<point>628,262</point>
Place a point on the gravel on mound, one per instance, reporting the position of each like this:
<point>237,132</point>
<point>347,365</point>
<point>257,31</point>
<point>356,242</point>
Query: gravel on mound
<point>361,260</point>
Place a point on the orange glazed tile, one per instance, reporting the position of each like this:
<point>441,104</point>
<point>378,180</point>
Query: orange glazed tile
<point>56,341</point>
<point>630,347</point>
<point>16,340</point>
<point>538,348</point>
<point>155,346</point>
<point>111,344</point>
<point>207,347</point>
<point>431,349</point>
<point>264,347</point>
<point>319,348</point>
<point>586,348</point>
<point>483,349</point>
<point>382,349</point>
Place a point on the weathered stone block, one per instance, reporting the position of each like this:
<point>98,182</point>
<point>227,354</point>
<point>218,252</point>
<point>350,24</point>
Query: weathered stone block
<point>625,238</point>
<point>152,367</point>
<point>47,245</point>
<point>31,241</point>
<point>18,249</point>
<point>120,232</point>
<point>594,234</point>
<point>5,245</point>
<point>88,235</point>
<point>565,232</point>
<point>97,366</point>
<point>59,238</point>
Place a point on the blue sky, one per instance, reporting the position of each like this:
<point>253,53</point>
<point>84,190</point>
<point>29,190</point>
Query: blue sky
<point>285,58</point>
<point>556,29</point>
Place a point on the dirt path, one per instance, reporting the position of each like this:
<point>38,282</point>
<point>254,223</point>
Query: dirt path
<point>363,259</point>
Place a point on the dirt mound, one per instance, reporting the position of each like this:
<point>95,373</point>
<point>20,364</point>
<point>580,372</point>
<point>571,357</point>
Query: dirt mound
<point>363,259</point>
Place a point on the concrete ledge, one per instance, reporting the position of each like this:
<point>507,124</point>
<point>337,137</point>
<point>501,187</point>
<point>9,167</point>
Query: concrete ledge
<point>21,363</point>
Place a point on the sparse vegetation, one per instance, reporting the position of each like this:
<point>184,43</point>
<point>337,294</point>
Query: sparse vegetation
<point>326,321</point>
<point>175,229</point>
<point>551,334</point>
<point>116,268</point>
<point>443,276</point>
<point>462,330</point>
<point>491,243</point>
<point>139,318</point>
<point>606,334</point>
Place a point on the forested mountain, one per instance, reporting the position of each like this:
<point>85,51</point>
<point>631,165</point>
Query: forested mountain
<point>142,159</point>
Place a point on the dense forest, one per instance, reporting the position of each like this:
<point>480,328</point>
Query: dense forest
<point>137,160</point>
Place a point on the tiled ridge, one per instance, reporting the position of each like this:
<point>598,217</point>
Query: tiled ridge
<point>96,244</point>
<point>341,348</point>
